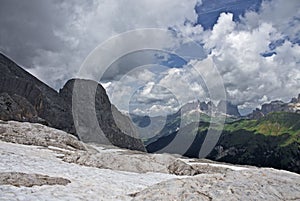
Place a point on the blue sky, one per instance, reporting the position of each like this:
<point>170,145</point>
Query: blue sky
<point>209,10</point>
<point>254,44</point>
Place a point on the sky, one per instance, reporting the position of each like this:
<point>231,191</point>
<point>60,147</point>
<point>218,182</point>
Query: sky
<point>254,45</point>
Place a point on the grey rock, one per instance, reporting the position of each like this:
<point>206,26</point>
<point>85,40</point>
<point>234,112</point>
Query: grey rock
<point>122,160</point>
<point>216,181</point>
<point>223,107</point>
<point>28,180</point>
<point>204,106</point>
<point>140,162</point>
<point>294,100</point>
<point>45,100</point>
<point>124,123</point>
<point>39,135</point>
<point>97,120</point>
<point>274,106</point>
<point>179,167</point>
<point>256,114</point>
<point>211,106</point>
<point>256,184</point>
<point>191,106</point>
<point>17,108</point>
<point>56,108</point>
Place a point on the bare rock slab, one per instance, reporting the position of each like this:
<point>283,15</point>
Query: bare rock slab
<point>28,180</point>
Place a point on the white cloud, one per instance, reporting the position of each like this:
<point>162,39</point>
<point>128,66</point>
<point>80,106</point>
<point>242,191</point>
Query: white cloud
<point>156,110</point>
<point>236,49</point>
<point>168,89</point>
<point>109,18</point>
<point>224,26</point>
<point>68,31</point>
<point>57,44</point>
<point>251,79</point>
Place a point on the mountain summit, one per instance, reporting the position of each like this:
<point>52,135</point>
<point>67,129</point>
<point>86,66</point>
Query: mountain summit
<point>25,98</point>
<point>276,106</point>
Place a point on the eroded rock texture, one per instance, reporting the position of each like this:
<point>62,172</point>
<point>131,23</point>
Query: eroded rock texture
<point>25,98</point>
<point>52,167</point>
<point>28,180</point>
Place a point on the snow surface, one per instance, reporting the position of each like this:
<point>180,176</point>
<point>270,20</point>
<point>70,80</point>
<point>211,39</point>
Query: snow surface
<point>92,183</point>
<point>87,183</point>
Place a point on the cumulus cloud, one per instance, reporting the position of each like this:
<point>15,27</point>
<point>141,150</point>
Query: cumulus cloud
<point>257,56</point>
<point>156,90</point>
<point>43,36</point>
<point>184,83</point>
<point>250,78</point>
<point>238,50</point>
<point>139,92</point>
<point>52,38</point>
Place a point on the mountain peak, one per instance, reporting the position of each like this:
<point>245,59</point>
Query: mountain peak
<point>277,106</point>
<point>44,103</point>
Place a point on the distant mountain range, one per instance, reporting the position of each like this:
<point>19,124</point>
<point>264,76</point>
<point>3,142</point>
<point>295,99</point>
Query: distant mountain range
<point>190,112</point>
<point>196,111</point>
<point>277,106</point>
<point>209,108</point>
<point>268,137</point>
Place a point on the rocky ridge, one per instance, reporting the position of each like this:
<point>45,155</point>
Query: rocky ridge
<point>276,106</point>
<point>223,107</point>
<point>25,98</point>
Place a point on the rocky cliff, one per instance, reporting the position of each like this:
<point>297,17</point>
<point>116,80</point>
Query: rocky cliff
<point>223,107</point>
<point>92,101</point>
<point>25,98</point>
<point>15,107</point>
<point>46,102</point>
<point>276,106</point>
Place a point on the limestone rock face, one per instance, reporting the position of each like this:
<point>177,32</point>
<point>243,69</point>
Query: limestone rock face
<point>25,98</point>
<point>38,135</point>
<point>277,106</point>
<point>45,100</point>
<point>234,185</point>
<point>16,108</point>
<point>294,100</point>
<point>274,106</point>
<point>179,167</point>
<point>209,107</point>
<point>97,120</point>
<point>28,180</point>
